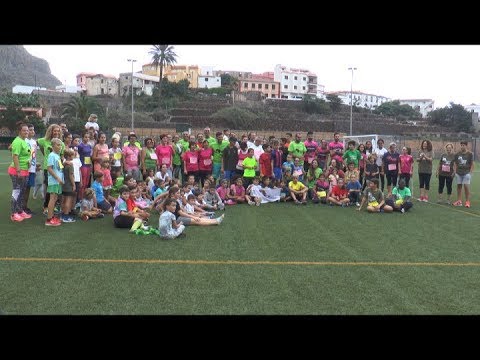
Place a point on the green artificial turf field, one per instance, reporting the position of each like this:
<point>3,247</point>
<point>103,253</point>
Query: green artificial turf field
<point>272,259</point>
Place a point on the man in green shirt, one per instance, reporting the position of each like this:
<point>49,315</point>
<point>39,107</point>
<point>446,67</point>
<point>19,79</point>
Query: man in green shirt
<point>209,138</point>
<point>218,147</point>
<point>297,148</point>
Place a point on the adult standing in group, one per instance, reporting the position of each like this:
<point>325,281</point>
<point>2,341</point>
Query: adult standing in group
<point>380,151</point>
<point>425,160</point>
<point>230,160</point>
<point>100,152</point>
<point>32,143</point>
<point>131,158</point>
<point>207,136</point>
<point>164,153</point>
<point>205,156</point>
<point>218,147</point>
<point>45,145</point>
<point>148,157</point>
<point>311,153</point>
<point>297,148</point>
<point>19,171</point>
<point>322,155</point>
<point>336,150</point>
<point>463,169</point>
<point>391,164</point>
<point>445,173</point>
<point>177,158</point>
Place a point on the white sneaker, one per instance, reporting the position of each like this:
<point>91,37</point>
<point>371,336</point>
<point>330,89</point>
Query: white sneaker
<point>402,211</point>
<point>220,219</point>
<point>357,204</point>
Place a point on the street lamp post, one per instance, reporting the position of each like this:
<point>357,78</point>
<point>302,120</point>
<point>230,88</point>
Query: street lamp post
<point>351,99</point>
<point>132,60</point>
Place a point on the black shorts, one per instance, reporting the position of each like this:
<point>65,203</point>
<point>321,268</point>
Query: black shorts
<point>69,193</point>
<point>104,205</point>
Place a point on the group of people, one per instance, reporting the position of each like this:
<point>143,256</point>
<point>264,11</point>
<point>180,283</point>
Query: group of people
<point>190,177</point>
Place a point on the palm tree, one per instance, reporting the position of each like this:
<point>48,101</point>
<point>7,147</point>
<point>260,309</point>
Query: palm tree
<point>162,55</point>
<point>80,107</point>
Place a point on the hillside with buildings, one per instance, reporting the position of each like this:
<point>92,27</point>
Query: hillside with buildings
<point>18,67</point>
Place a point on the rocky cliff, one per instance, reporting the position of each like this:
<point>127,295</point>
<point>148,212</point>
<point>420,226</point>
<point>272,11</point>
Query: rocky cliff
<point>18,67</point>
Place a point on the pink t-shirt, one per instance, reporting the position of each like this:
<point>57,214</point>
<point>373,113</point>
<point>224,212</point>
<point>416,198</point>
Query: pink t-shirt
<point>237,190</point>
<point>205,159</point>
<point>406,164</point>
<point>107,177</point>
<point>190,159</point>
<point>311,147</point>
<point>164,155</point>
<point>130,154</point>
<point>241,156</point>
<point>336,147</point>
<point>222,192</point>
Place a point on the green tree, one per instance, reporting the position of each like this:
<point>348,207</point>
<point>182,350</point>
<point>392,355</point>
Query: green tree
<point>335,102</point>
<point>454,116</point>
<point>76,112</point>
<point>229,82</point>
<point>162,55</point>
<point>11,116</point>
<point>313,105</point>
<point>393,109</point>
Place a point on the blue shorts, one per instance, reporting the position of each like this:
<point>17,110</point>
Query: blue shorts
<point>278,173</point>
<point>31,180</point>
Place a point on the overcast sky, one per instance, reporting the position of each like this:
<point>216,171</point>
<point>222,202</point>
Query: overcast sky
<point>444,73</point>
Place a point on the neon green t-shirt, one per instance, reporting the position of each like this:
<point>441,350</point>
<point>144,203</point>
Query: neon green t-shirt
<point>249,173</point>
<point>297,150</point>
<point>47,149</point>
<point>218,151</point>
<point>22,150</point>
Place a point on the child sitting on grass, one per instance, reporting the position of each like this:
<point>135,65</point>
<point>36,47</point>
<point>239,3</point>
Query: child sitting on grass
<point>167,223</point>
<point>87,208</point>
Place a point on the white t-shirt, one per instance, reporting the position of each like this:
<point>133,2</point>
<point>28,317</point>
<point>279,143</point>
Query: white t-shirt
<point>89,124</point>
<point>33,150</point>
<point>380,153</point>
<point>77,164</point>
<point>189,208</point>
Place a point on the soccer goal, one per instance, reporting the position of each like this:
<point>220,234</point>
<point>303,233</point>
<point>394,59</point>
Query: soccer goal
<point>361,139</point>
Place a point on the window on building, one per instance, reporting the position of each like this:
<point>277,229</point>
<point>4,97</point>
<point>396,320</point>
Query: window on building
<point>273,96</point>
<point>259,86</point>
<point>294,87</point>
<point>304,78</point>
<point>294,78</point>
<point>206,79</point>
<point>286,77</point>
<point>273,86</point>
<point>253,85</point>
<point>285,86</point>
<point>245,85</point>
<point>284,97</point>
<point>101,81</point>
<point>266,86</point>
<point>303,87</point>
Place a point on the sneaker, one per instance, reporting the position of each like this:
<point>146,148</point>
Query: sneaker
<point>457,203</point>
<point>16,217</point>
<point>298,202</point>
<point>52,222</point>
<point>85,217</point>
<point>357,204</point>
<point>220,219</point>
<point>57,220</point>
<point>448,202</point>
<point>101,216</point>
<point>467,204</point>
<point>425,199</point>
<point>145,227</point>
<point>67,219</point>
<point>257,203</point>
<point>343,205</point>
<point>402,211</point>
<point>45,211</point>
<point>251,203</point>
<point>24,215</point>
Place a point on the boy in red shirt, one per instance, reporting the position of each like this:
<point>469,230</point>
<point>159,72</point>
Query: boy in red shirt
<point>339,194</point>
<point>265,160</point>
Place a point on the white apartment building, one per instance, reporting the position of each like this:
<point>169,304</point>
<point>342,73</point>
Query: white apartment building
<point>361,99</point>
<point>207,78</point>
<point>296,83</point>
<point>424,106</point>
<point>141,83</point>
